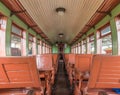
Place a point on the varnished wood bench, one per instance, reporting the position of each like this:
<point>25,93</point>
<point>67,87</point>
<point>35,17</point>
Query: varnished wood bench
<point>70,67</point>
<point>55,66</point>
<point>66,56</point>
<point>104,75</point>
<point>82,68</point>
<point>19,73</point>
<point>46,70</point>
<point>55,61</point>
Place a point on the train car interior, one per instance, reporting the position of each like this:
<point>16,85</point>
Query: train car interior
<point>59,47</point>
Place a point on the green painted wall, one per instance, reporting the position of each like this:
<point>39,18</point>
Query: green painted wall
<point>114,37</point>
<point>8,37</point>
<point>54,49</point>
<point>67,49</point>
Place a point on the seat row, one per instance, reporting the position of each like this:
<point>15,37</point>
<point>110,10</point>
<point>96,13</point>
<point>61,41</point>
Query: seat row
<point>93,74</point>
<point>31,75</point>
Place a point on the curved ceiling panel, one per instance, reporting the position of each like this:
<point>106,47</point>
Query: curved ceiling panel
<point>77,14</point>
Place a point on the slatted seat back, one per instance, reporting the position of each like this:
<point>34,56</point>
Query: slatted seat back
<point>44,61</point>
<point>105,72</point>
<point>55,58</point>
<point>71,58</point>
<point>18,72</point>
<point>83,62</point>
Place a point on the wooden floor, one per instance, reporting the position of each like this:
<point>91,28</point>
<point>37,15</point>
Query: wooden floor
<point>61,86</point>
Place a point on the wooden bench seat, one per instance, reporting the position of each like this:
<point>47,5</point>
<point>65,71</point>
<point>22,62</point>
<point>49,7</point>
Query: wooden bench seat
<point>55,61</point>
<point>70,67</point>
<point>19,72</point>
<point>46,70</point>
<point>55,66</point>
<point>66,56</point>
<point>104,75</point>
<point>82,69</point>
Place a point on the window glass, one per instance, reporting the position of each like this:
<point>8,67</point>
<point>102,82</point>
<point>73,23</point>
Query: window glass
<point>91,38</point>
<point>30,38</point>
<point>16,41</point>
<point>118,32</point>
<point>38,46</point>
<point>92,49</point>
<point>16,30</point>
<point>91,44</point>
<point>107,45</point>
<point>3,25</point>
<point>105,31</point>
<point>84,48</point>
<point>30,48</point>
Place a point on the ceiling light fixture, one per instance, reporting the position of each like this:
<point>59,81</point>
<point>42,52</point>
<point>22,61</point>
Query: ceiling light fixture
<point>61,35</point>
<point>60,11</point>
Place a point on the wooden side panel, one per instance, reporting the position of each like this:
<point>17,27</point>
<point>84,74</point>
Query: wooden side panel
<point>105,72</point>
<point>83,62</point>
<point>18,72</point>
<point>94,71</point>
<point>44,61</point>
<point>55,57</point>
<point>66,58</point>
<point>71,58</point>
<point>3,76</point>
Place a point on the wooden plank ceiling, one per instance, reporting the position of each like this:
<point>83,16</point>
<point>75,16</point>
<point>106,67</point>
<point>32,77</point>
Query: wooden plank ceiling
<point>79,17</point>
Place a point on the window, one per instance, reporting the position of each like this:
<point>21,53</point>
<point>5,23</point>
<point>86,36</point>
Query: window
<point>91,38</point>
<point>16,41</point>
<point>84,48</point>
<point>46,48</point>
<point>43,46</point>
<point>105,40</point>
<point>105,31</point>
<point>76,48</point>
<point>41,51</point>
<point>106,44</point>
<point>30,47</point>
<point>16,30</point>
<point>118,31</point>
<point>38,45</point>
<point>91,44</point>
<point>3,21</point>
<point>79,48</point>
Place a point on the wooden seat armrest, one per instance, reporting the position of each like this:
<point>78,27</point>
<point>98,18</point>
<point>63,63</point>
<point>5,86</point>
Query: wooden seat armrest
<point>78,74</point>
